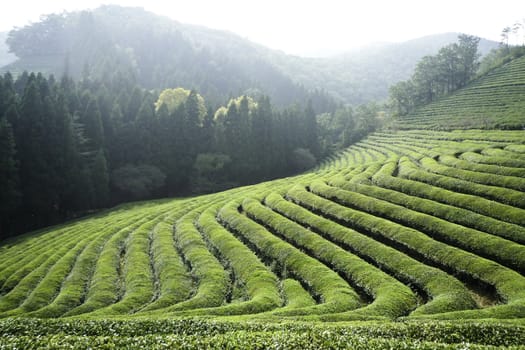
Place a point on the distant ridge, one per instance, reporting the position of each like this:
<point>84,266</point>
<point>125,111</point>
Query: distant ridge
<point>220,63</point>
<point>365,74</point>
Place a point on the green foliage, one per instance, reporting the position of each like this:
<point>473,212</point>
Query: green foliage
<point>174,98</point>
<point>260,283</point>
<point>499,250</point>
<point>358,238</point>
<point>432,281</point>
<point>302,159</point>
<point>138,181</point>
<point>9,180</point>
<point>491,101</point>
<point>296,296</point>
<point>324,283</point>
<point>439,75</point>
<point>415,226</point>
<point>171,273</point>
<point>391,299</point>
<point>211,277</point>
<point>198,334</point>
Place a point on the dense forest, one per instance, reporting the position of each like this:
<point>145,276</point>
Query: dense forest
<point>70,147</point>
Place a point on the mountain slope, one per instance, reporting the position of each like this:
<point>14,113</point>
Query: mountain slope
<point>496,100</point>
<point>154,50</point>
<point>410,224</point>
<point>366,74</point>
<point>164,53</point>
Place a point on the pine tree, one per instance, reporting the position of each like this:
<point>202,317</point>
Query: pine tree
<point>144,142</point>
<point>232,130</point>
<point>311,134</point>
<point>37,176</point>
<point>92,121</point>
<point>262,148</point>
<point>100,180</point>
<point>9,182</point>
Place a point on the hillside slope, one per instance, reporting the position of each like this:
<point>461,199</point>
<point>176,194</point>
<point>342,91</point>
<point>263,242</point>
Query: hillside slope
<point>429,225</point>
<point>496,100</point>
<point>163,53</point>
<point>412,224</point>
<point>420,226</point>
<point>154,50</point>
<point>366,74</point>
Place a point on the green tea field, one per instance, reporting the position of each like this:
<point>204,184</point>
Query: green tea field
<point>412,238</point>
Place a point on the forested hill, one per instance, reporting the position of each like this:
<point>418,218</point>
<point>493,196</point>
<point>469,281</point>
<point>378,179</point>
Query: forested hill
<point>366,74</point>
<point>111,41</point>
<point>160,53</point>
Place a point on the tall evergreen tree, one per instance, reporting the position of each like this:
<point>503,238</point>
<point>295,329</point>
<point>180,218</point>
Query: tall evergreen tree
<point>145,125</point>
<point>310,130</point>
<point>9,181</point>
<point>262,149</point>
<point>100,180</point>
<point>232,130</point>
<point>36,174</point>
<point>192,126</point>
<point>92,121</point>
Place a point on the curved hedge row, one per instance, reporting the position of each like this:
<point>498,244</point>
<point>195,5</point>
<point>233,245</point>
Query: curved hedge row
<point>446,292</point>
<point>212,279</point>
<point>330,289</point>
<point>390,298</point>
<point>425,185</point>
<point>384,181</point>
<point>260,282</point>
<point>509,284</point>
<point>495,248</point>
<point>174,280</point>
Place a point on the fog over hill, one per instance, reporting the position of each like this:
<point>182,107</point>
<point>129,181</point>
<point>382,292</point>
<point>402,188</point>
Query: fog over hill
<point>5,56</point>
<point>164,53</point>
<point>365,74</point>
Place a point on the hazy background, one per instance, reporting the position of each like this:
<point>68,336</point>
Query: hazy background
<point>307,27</point>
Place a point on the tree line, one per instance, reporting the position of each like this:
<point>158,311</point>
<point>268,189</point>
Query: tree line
<point>68,148</point>
<point>437,75</point>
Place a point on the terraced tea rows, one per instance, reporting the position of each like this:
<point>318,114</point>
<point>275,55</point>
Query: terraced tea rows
<point>496,100</point>
<point>407,225</point>
<point>420,226</point>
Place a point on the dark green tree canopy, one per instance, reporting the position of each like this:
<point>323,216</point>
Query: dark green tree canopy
<point>435,76</point>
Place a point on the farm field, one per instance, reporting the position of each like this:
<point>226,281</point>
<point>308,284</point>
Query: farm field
<point>493,101</point>
<point>408,225</point>
<point>409,239</point>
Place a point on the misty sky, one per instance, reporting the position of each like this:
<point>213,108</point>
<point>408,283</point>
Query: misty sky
<point>308,26</point>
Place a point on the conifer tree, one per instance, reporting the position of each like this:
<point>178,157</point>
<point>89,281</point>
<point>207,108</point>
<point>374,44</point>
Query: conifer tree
<point>9,182</point>
<point>100,180</point>
<point>92,121</point>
